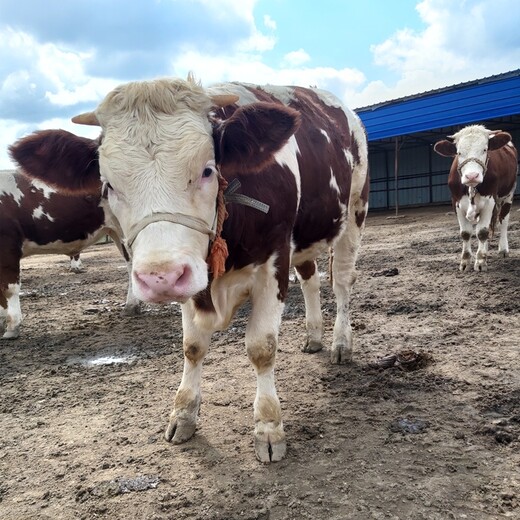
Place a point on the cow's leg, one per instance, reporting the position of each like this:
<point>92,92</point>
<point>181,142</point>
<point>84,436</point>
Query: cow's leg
<point>12,312</point>
<point>261,344</point>
<point>3,309</point>
<point>309,278</point>
<point>132,305</point>
<point>466,230</point>
<point>76,265</point>
<point>343,277</point>
<point>503,218</point>
<point>183,418</point>
<point>482,232</point>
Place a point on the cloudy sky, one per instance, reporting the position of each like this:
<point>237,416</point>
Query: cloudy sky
<point>60,57</point>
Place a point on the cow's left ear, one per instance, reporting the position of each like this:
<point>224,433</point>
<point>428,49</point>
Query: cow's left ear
<point>445,148</point>
<point>248,140</point>
<point>498,140</point>
<point>59,158</point>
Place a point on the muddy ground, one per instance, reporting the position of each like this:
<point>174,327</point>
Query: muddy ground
<point>86,394</point>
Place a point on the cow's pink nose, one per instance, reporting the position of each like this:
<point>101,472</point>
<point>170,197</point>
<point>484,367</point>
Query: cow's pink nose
<point>164,286</point>
<point>472,176</point>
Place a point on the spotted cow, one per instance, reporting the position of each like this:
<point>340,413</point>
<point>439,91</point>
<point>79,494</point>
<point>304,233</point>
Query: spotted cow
<point>296,160</point>
<point>482,182</point>
<point>36,219</point>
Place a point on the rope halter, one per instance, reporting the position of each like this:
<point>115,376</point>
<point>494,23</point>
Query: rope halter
<point>474,159</point>
<point>218,254</point>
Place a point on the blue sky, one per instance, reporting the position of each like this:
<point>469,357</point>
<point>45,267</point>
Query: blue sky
<point>60,57</point>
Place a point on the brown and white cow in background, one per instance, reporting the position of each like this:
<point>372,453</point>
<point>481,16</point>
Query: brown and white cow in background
<point>36,219</point>
<point>167,147</point>
<point>482,181</point>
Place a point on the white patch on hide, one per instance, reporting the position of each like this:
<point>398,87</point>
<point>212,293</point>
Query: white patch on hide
<point>333,183</point>
<point>38,213</point>
<point>325,134</point>
<point>45,188</point>
<point>8,186</point>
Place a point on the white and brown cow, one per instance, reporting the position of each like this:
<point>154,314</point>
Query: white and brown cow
<point>168,148</point>
<point>36,219</point>
<point>482,181</point>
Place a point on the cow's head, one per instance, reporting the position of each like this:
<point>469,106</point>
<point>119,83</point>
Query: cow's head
<point>470,146</point>
<point>159,157</point>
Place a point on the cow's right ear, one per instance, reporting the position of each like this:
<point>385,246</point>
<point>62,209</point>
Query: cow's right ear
<point>445,148</point>
<point>61,159</point>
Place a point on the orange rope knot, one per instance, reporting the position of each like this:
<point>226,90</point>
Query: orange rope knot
<point>219,251</point>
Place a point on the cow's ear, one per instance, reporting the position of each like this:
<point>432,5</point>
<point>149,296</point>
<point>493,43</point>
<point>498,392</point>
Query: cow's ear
<point>59,158</point>
<point>248,140</point>
<point>445,148</point>
<point>498,140</point>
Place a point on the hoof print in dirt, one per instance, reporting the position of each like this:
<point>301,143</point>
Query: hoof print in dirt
<point>408,360</point>
<point>408,425</point>
<point>387,272</point>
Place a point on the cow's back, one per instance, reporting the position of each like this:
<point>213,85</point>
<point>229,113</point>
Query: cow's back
<point>38,220</point>
<point>330,160</point>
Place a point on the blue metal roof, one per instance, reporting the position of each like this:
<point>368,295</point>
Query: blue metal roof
<point>474,101</point>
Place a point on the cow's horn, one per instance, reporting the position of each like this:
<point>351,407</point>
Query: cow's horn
<point>223,100</point>
<point>88,118</point>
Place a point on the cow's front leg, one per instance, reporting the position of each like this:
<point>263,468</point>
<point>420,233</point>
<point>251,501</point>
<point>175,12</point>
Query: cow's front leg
<point>261,344</point>
<point>309,278</point>
<point>482,232</point>
<point>466,230</point>
<point>183,418</point>
<point>12,313</point>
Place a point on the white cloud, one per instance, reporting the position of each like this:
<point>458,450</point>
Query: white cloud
<point>295,58</point>
<point>269,23</point>
<point>462,41</point>
<point>251,69</point>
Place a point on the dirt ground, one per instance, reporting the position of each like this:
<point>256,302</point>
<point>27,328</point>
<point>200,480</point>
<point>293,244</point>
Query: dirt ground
<point>86,394</point>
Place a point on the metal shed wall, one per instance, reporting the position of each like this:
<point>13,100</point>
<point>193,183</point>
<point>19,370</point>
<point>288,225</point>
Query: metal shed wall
<point>411,126</point>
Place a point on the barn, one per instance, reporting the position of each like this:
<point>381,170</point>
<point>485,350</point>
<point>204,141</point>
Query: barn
<point>405,171</point>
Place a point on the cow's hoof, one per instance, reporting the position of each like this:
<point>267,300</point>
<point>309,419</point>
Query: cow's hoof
<point>11,334</point>
<point>503,254</point>
<point>312,346</point>
<point>340,354</point>
<point>480,267</point>
<point>132,310</point>
<point>267,451</point>
<point>179,431</point>
<point>463,267</point>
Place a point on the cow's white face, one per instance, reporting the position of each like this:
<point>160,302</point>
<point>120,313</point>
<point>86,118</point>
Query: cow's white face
<point>155,162</point>
<point>472,148</point>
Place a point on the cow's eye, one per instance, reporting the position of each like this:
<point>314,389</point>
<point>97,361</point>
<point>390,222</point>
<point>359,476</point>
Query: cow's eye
<point>208,172</point>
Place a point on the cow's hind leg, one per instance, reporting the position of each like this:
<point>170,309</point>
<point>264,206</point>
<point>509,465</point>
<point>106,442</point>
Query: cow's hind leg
<point>309,278</point>
<point>343,277</point>
<point>261,344</point>
<point>76,265</point>
<point>503,218</point>
<point>183,418</point>
<point>12,312</point>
